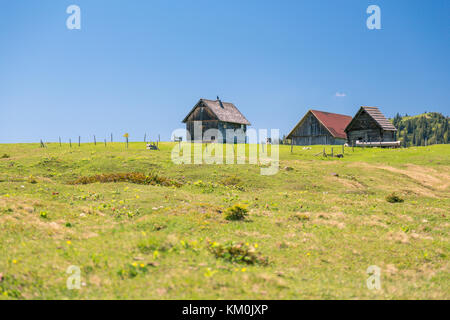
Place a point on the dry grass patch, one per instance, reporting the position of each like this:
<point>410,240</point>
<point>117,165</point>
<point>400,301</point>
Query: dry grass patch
<point>131,177</point>
<point>333,219</point>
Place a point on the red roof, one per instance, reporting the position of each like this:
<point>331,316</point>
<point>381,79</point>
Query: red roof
<point>335,123</point>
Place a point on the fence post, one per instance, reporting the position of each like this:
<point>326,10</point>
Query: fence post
<point>79,141</point>
<point>105,142</point>
<point>292,145</point>
<point>95,140</point>
<point>60,141</point>
<point>332,153</point>
<point>70,142</point>
<point>111,138</point>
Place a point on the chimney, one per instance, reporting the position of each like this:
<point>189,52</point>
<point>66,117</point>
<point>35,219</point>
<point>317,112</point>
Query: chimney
<point>220,102</point>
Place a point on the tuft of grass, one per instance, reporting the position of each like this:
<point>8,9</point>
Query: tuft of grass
<point>394,198</point>
<point>152,244</point>
<point>44,214</point>
<point>237,253</point>
<point>32,180</point>
<point>132,270</point>
<point>301,216</point>
<point>231,181</point>
<point>5,156</point>
<point>236,212</point>
<point>131,177</point>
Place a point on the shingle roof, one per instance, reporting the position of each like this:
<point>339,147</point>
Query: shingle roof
<point>225,111</point>
<point>335,123</point>
<point>379,118</point>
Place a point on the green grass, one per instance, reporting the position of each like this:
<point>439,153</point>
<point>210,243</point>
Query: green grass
<point>319,223</point>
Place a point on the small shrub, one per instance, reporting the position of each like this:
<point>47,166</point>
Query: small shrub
<point>131,177</point>
<point>32,180</point>
<point>237,253</point>
<point>5,156</point>
<point>152,245</point>
<point>132,270</point>
<point>301,217</point>
<point>231,181</point>
<point>207,187</point>
<point>236,212</point>
<point>394,198</point>
<point>44,214</point>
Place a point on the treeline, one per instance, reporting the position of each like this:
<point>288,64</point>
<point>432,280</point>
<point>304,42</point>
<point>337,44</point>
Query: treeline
<point>424,129</point>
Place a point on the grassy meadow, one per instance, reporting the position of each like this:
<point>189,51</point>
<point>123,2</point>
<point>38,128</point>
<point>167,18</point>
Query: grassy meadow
<point>311,230</point>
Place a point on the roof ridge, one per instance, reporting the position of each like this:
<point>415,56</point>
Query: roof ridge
<point>339,114</point>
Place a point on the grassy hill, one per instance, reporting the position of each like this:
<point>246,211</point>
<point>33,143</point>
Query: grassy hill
<point>312,230</point>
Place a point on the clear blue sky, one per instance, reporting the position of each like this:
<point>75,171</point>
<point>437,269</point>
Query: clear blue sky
<point>139,66</point>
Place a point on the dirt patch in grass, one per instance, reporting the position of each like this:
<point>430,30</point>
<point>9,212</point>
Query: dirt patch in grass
<point>399,237</point>
<point>347,182</point>
<point>334,219</point>
<point>131,177</point>
<point>426,181</point>
<point>424,176</point>
<point>24,216</point>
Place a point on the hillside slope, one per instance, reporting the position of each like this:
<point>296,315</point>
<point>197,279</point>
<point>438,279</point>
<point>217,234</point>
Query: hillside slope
<point>319,223</point>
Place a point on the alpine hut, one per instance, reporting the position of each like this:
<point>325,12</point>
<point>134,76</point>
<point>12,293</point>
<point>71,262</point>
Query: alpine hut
<point>319,127</point>
<point>215,121</point>
<point>369,127</point>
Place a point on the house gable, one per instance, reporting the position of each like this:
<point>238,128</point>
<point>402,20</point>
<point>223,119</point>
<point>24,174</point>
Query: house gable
<point>201,112</point>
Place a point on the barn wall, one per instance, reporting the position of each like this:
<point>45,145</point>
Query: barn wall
<point>312,132</point>
<point>205,125</point>
<point>240,135</point>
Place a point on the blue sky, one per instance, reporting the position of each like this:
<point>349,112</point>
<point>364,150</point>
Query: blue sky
<point>139,66</point>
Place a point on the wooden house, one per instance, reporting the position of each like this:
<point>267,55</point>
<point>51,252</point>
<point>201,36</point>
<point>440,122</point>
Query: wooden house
<point>370,127</point>
<point>211,120</point>
<point>319,127</point>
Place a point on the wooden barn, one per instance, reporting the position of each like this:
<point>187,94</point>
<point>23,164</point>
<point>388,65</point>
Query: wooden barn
<point>369,126</point>
<point>319,127</point>
<point>219,116</point>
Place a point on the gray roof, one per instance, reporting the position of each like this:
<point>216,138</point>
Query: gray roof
<point>376,115</point>
<point>225,111</point>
